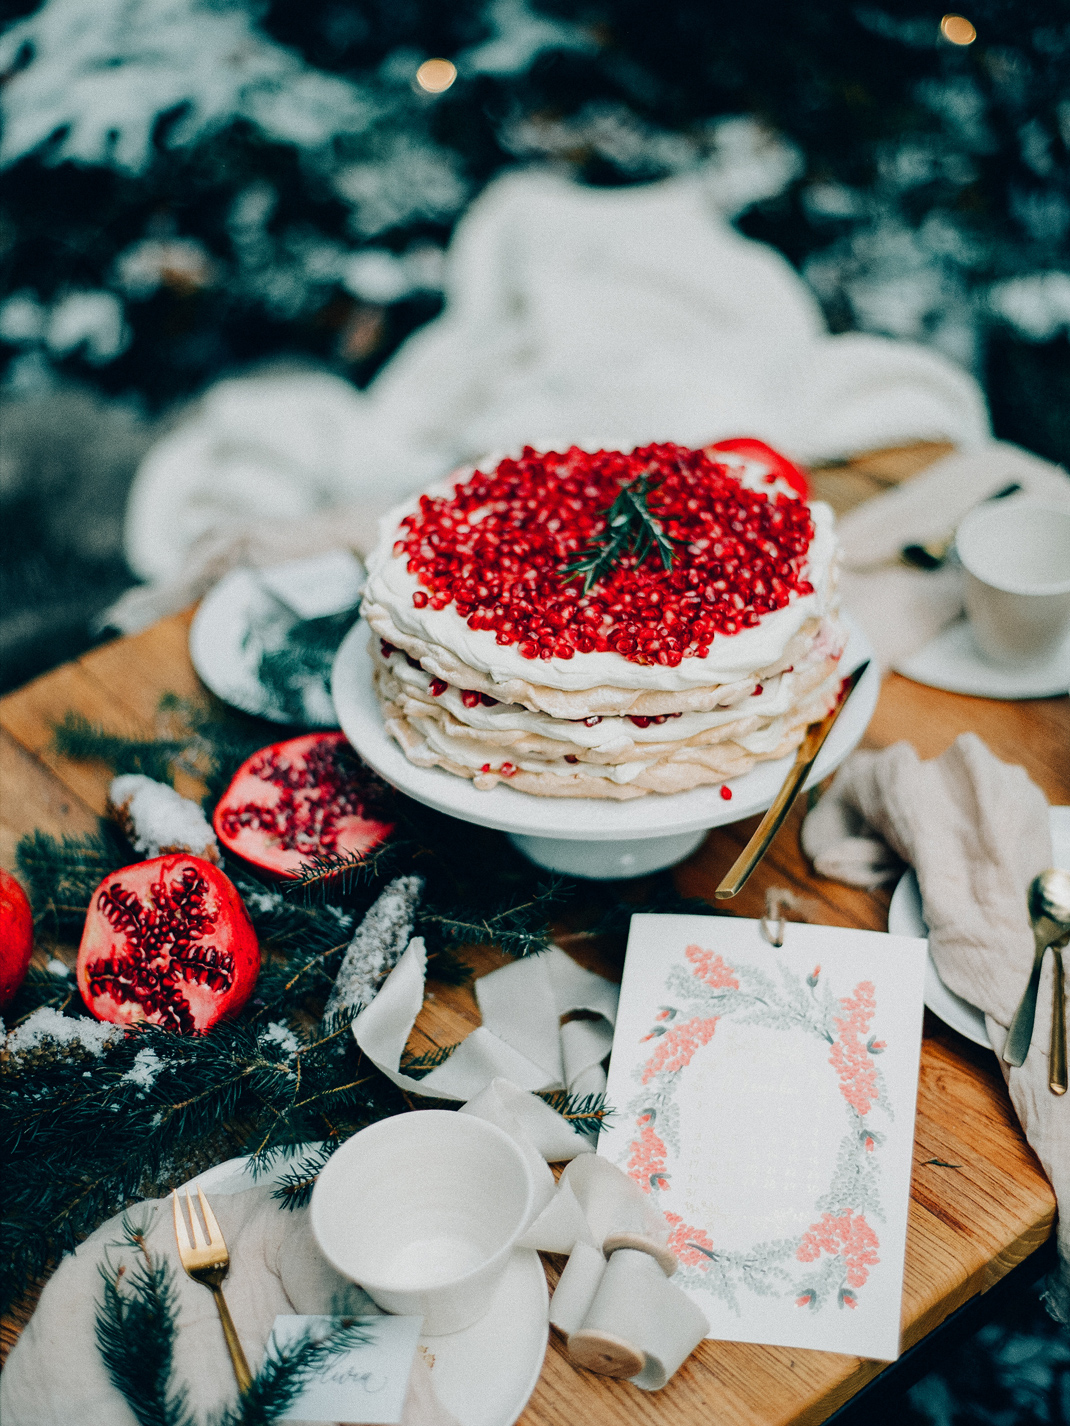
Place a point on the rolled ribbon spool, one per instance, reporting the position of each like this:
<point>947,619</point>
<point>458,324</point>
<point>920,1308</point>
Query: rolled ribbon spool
<point>624,1318</point>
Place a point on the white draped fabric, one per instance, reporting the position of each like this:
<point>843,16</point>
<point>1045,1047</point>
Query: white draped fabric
<point>618,316</point>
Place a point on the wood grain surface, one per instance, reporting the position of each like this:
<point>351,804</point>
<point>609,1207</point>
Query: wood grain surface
<point>979,1201</point>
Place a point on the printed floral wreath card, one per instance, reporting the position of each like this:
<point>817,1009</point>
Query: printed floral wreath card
<point>765,1098</point>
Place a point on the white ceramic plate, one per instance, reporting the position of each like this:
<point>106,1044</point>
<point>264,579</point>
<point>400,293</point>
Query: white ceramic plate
<point>577,818</point>
<point>227,658</point>
<point>953,661</point>
<point>905,919</point>
<point>486,1373</point>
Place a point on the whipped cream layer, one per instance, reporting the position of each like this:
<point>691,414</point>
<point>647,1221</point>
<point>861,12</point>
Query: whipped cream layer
<point>731,657</point>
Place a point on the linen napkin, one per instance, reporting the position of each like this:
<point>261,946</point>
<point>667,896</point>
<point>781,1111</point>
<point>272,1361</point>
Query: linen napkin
<point>55,1375</point>
<point>899,608</point>
<point>976,831</point>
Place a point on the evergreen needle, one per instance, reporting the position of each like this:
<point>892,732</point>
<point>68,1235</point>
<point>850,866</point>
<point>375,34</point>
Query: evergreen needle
<point>631,528</point>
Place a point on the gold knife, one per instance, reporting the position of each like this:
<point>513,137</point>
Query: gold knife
<point>805,758</point>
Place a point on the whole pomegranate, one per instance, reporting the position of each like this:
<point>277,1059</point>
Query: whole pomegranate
<point>305,798</point>
<point>167,942</point>
<point>16,936</point>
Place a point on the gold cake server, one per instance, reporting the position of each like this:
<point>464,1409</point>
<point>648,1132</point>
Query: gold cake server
<point>805,758</point>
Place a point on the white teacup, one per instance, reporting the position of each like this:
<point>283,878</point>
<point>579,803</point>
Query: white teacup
<point>423,1210</point>
<point>1017,587</point>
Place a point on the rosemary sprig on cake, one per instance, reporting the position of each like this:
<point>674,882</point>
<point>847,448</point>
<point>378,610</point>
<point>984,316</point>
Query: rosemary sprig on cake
<point>631,528</point>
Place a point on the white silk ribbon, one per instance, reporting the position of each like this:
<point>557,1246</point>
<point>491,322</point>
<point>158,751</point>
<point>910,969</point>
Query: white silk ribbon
<point>615,1284</point>
<point>521,1038</point>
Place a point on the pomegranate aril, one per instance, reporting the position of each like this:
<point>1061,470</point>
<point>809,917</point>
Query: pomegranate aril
<point>437,687</point>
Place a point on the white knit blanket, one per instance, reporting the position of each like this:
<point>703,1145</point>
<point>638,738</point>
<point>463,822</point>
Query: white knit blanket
<point>572,314</point>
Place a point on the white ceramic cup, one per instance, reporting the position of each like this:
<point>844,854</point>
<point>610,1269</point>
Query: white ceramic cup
<point>1017,585</point>
<point>423,1210</point>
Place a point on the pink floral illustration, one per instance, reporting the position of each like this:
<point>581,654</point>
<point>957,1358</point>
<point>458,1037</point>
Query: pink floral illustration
<point>676,1046</point>
<point>709,967</point>
<point>850,1056</point>
<point>688,1243</point>
<point>647,1162</point>
<point>849,1237</point>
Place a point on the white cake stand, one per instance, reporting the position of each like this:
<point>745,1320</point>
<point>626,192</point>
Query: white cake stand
<point>583,836</point>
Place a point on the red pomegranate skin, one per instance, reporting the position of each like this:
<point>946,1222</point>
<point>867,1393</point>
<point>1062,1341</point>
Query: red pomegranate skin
<point>16,936</point>
<point>779,465</point>
<point>167,942</point>
<point>305,798</point>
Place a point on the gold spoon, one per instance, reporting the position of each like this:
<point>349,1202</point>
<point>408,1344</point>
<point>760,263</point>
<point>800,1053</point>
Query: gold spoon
<point>1057,1079</point>
<point>1049,911</point>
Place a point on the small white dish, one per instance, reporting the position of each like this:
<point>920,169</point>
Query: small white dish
<point>222,642</point>
<point>486,1373</point>
<point>905,919</point>
<point>952,661</point>
<point>580,836</point>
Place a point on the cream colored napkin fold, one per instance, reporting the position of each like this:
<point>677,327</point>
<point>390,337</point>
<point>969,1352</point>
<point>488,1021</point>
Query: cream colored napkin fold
<point>55,1375</point>
<point>899,608</point>
<point>976,831</point>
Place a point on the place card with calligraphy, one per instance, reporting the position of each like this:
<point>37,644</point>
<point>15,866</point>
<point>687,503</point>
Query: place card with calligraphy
<point>364,1385</point>
<point>765,1099</point>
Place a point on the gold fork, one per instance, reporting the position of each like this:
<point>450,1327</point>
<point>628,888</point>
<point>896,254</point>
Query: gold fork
<point>206,1260</point>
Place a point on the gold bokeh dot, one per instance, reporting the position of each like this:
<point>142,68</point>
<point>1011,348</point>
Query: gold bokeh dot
<point>958,30</point>
<point>436,75</point>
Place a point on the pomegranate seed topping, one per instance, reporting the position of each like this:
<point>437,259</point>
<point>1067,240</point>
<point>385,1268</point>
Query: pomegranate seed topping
<point>488,701</point>
<point>437,688</point>
<point>739,554</point>
<point>507,769</point>
<point>726,793</point>
<point>387,649</point>
<point>571,758</point>
<point>757,689</point>
<point>485,767</point>
<point>469,697</point>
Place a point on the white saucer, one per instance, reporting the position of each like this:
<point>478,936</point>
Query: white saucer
<point>486,1373</point>
<point>905,919</point>
<point>952,661</point>
<point>586,836</point>
<point>225,655</point>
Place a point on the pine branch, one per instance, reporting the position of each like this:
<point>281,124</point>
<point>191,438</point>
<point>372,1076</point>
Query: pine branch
<point>287,1371</point>
<point>417,1066</point>
<point>294,1188</point>
<point>630,528</point>
<point>339,874</point>
<point>303,659</point>
<point>586,1113</point>
<point>76,737</point>
<point>521,929</point>
<point>447,968</point>
<point>63,875</point>
<point>136,1331</point>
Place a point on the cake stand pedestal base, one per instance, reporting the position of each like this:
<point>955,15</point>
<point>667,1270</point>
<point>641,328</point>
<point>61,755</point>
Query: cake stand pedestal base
<point>608,861</point>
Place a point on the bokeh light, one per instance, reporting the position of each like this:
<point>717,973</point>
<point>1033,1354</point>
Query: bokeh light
<point>958,30</point>
<point>436,75</point>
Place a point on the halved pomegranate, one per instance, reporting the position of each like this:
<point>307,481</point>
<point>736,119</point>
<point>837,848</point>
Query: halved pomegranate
<point>16,936</point>
<point>752,450</point>
<point>167,942</point>
<point>305,798</point>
